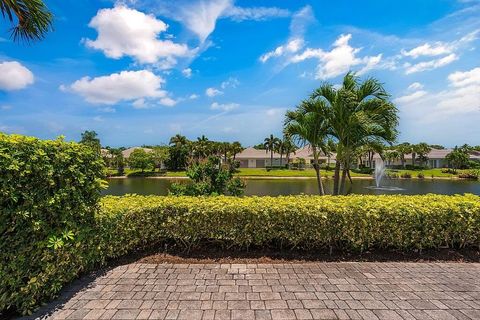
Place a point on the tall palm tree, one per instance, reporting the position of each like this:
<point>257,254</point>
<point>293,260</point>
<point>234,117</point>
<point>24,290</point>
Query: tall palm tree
<point>403,149</point>
<point>271,144</point>
<point>236,148</point>
<point>288,147</point>
<point>308,125</point>
<point>178,140</point>
<point>421,150</point>
<point>31,18</point>
<point>357,112</point>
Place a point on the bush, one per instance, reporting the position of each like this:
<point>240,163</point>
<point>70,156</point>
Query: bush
<point>406,175</point>
<point>421,175</point>
<point>49,195</point>
<point>356,222</point>
<point>471,174</point>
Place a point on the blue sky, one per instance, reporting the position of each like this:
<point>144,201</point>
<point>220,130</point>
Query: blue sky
<point>138,72</point>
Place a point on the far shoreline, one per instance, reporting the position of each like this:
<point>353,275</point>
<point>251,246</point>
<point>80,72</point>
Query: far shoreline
<point>286,178</point>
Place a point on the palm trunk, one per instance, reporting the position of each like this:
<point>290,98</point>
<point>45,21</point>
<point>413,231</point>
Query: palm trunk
<point>343,182</point>
<point>281,156</point>
<point>317,172</point>
<point>271,159</point>
<point>336,177</point>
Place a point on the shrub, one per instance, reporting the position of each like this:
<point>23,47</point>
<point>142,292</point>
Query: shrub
<point>471,174</point>
<point>356,222</point>
<point>420,175</point>
<point>406,175</point>
<point>49,194</point>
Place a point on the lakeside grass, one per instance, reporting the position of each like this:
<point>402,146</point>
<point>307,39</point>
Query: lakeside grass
<point>287,173</point>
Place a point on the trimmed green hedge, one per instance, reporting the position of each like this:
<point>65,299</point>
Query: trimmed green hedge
<point>49,192</point>
<point>355,223</point>
<point>53,226</point>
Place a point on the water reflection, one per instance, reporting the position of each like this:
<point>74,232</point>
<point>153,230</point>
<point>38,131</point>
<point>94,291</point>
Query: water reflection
<point>275,187</point>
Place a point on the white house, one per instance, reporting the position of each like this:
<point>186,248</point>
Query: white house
<point>255,158</point>
<point>436,159</point>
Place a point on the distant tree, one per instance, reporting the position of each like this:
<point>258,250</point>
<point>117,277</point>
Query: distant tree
<point>271,144</point>
<point>236,148</point>
<point>178,152</point>
<point>140,159</point>
<point>458,158</point>
<point>437,146</point>
<point>117,160</point>
<point>421,150</point>
<point>90,138</point>
<point>403,149</point>
<point>288,147</point>
<point>259,146</point>
<point>159,156</point>
<point>31,18</point>
<point>209,177</point>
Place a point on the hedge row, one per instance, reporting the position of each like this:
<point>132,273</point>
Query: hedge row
<point>49,193</point>
<point>355,223</point>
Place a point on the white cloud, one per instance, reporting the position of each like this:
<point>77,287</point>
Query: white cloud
<point>98,119</point>
<point>123,86</point>
<point>5,107</point>
<point>193,96</point>
<point>187,72</point>
<point>291,46</point>
<point>168,102</point>
<point>460,79</point>
<point>415,86</point>
<point>339,60</point>
<point>430,65</point>
<point>445,53</point>
<point>300,20</point>
<point>427,49</point>
<point>409,98</point>
<point>255,13</point>
<point>201,16</point>
<point>14,76</point>
<point>224,106</point>
<point>127,32</point>
<point>212,92</point>
<point>462,97</point>
<point>230,83</point>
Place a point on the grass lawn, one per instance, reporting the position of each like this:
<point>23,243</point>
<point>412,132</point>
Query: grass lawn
<point>261,172</point>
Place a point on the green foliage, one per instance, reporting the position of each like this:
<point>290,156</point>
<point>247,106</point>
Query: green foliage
<point>355,223</point>
<point>32,18</point>
<point>458,158</point>
<point>90,138</point>
<point>49,194</point>
<point>210,177</point>
<point>140,159</point>
<point>159,156</point>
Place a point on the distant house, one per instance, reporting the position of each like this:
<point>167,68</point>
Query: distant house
<point>127,152</point>
<point>436,159</point>
<point>256,158</point>
<point>306,153</point>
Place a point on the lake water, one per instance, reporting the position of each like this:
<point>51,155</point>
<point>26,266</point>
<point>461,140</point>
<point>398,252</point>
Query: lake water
<point>275,187</point>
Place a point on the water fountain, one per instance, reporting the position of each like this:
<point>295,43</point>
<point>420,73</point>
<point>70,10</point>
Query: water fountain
<point>379,174</point>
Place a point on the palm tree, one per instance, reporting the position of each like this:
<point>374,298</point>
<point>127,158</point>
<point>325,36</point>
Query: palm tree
<point>308,125</point>
<point>178,140</point>
<point>288,147</point>
<point>403,149</point>
<point>31,18</point>
<point>235,148</point>
<point>271,144</point>
<point>357,112</point>
<point>421,150</point>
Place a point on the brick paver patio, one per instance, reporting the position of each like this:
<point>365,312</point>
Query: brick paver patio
<point>347,290</point>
